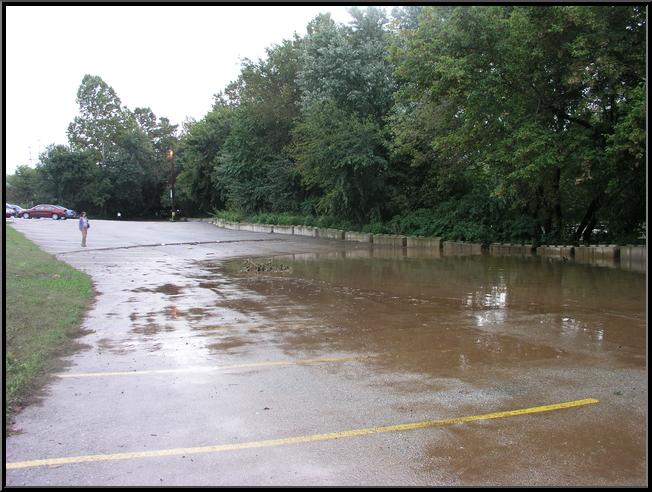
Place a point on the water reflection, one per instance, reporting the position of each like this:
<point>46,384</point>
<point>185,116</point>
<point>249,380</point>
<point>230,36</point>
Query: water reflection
<point>635,266</point>
<point>496,298</point>
<point>492,318</point>
<point>352,250</point>
<point>444,315</point>
<point>572,327</point>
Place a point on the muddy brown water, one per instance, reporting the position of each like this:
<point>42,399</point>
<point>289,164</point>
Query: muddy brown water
<point>481,332</point>
<point>452,314</point>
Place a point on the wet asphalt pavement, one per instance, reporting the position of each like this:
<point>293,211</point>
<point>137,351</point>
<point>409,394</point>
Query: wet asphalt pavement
<point>198,366</point>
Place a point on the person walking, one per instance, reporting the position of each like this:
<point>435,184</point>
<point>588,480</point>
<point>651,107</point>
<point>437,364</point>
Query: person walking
<point>83,227</point>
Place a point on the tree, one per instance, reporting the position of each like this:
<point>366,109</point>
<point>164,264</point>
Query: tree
<point>128,150</point>
<point>348,64</point>
<point>25,187</point>
<point>341,155</point>
<point>253,167</point>
<point>199,147</point>
<point>70,178</point>
<point>101,116</point>
<point>531,95</point>
<point>156,137</point>
<point>256,177</point>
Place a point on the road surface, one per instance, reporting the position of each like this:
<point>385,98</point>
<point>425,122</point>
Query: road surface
<point>187,377</point>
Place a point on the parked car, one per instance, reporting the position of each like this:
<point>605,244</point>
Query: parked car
<point>9,212</point>
<point>16,208</point>
<point>52,211</point>
<point>70,213</point>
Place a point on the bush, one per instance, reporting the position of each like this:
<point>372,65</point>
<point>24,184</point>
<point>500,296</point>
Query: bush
<point>227,215</point>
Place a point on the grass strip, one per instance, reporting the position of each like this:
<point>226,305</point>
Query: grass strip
<point>45,301</point>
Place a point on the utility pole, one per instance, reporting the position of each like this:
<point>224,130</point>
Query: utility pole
<point>170,157</point>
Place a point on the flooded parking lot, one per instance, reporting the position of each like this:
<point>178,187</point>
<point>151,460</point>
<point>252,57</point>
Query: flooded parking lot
<point>478,331</point>
<point>338,365</point>
<point>468,312</point>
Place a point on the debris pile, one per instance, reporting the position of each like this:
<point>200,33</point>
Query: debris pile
<point>267,266</point>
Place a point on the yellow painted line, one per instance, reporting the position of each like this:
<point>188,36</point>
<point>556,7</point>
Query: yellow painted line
<point>211,369</point>
<point>295,440</point>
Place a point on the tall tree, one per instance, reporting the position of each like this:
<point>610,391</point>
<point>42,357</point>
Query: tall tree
<point>532,95</point>
<point>254,167</point>
<point>101,116</point>
<point>71,178</point>
<point>348,64</point>
<point>341,155</point>
<point>129,149</point>
<point>25,187</point>
<point>199,147</point>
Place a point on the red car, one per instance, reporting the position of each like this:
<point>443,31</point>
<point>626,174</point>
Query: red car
<point>51,211</point>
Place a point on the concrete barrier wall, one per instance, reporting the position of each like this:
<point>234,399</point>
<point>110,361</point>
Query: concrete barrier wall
<point>610,251</point>
<point>450,247</point>
<point>633,253</point>
<point>556,251</point>
<point>432,243</point>
<point>245,226</point>
<point>330,234</point>
<point>283,229</point>
<point>389,240</point>
<point>300,230</point>
<point>527,249</point>
<point>359,237</point>
<point>598,252</point>
<point>497,249</point>
<point>263,228</point>
<point>547,251</point>
<point>608,254</point>
<point>583,253</point>
<point>461,248</point>
<point>567,251</point>
<point>501,249</point>
<point>633,258</point>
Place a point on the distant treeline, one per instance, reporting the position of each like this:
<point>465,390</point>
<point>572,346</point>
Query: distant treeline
<point>482,123</point>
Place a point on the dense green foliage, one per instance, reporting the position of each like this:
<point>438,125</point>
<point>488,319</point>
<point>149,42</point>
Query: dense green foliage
<point>484,123</point>
<point>115,160</point>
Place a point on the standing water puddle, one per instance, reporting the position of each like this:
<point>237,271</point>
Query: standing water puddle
<point>449,315</point>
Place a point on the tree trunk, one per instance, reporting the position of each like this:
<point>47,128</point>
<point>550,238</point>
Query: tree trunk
<point>536,219</point>
<point>586,236</point>
<point>589,221</point>
<point>557,206</point>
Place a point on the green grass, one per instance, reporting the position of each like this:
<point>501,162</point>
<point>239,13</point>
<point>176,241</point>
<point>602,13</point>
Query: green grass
<point>45,300</point>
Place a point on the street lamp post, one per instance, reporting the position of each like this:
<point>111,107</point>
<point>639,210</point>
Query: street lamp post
<point>170,157</point>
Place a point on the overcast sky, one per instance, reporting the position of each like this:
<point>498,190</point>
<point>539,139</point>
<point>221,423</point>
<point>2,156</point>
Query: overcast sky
<point>168,58</point>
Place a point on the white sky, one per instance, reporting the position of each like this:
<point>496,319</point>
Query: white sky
<point>171,59</point>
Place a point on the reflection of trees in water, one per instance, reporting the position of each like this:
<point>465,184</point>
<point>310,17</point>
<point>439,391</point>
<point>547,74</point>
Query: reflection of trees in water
<point>441,315</point>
